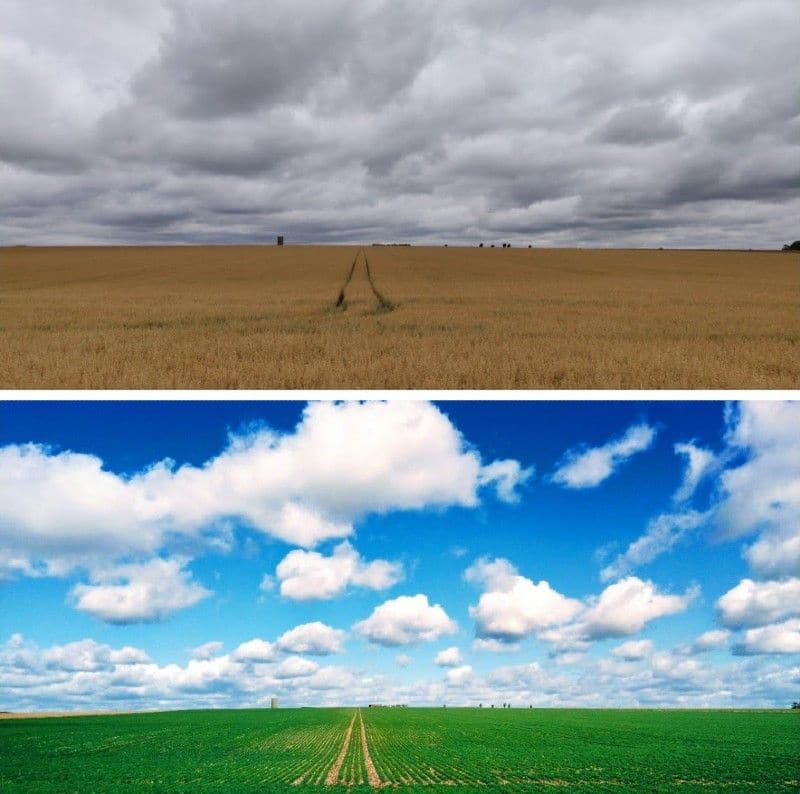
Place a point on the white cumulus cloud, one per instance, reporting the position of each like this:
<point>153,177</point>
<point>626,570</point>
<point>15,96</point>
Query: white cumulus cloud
<point>588,467</point>
<point>139,592</point>
<point>458,676</point>
<point>207,650</point>
<point>481,644</point>
<point>316,639</point>
<point>625,607</point>
<point>406,620</point>
<point>633,650</point>
<point>776,638</point>
<point>762,495</point>
<point>90,656</point>
<point>295,667</point>
<point>64,510</point>
<point>753,603</point>
<point>513,606</point>
<point>714,639</point>
<point>309,575</point>
<point>256,650</point>
<point>449,657</point>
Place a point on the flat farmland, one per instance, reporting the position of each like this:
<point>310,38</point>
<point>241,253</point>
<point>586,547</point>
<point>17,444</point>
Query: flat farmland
<point>405,749</point>
<point>264,317</point>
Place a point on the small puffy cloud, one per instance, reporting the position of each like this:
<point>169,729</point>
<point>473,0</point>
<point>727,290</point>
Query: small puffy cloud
<point>494,646</point>
<point>128,656</point>
<point>715,639</point>
<point>207,650</point>
<point>309,575</point>
<point>295,667</point>
<point>699,463</point>
<point>513,607</point>
<point>523,677</point>
<point>256,651</point>
<point>498,574</point>
<point>762,495</point>
<point>506,476</point>
<point>775,554</point>
<point>403,660</point>
<point>332,678</point>
<point>139,592</point>
<point>588,467</point>
<point>569,657</point>
<point>315,639</point>
<point>406,620</point>
<point>459,676</point>
<point>774,639</point>
<point>627,606</point>
<point>633,650</point>
<point>81,656</point>
<point>267,584</point>
<point>756,603</point>
<point>565,639</point>
<point>89,656</point>
<point>661,535</point>
<point>450,657</point>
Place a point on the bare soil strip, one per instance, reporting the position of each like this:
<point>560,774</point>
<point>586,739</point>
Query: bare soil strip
<point>333,773</point>
<point>372,773</point>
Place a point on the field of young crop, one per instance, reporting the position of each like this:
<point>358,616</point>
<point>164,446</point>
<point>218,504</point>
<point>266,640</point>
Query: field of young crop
<point>586,750</point>
<point>266,318</point>
<point>181,751</point>
<point>407,749</point>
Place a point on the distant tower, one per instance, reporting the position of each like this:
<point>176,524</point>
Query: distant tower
<point>280,240</point>
<point>273,704</point>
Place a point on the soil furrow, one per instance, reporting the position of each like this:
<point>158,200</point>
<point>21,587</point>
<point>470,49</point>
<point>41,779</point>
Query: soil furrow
<point>333,773</point>
<point>372,773</point>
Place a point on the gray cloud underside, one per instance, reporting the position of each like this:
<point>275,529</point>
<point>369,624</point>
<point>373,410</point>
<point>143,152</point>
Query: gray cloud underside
<point>611,123</point>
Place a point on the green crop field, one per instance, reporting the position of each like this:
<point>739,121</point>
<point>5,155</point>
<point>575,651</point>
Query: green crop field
<point>467,749</point>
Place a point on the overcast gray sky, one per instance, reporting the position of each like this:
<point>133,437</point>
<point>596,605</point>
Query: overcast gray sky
<point>579,122</point>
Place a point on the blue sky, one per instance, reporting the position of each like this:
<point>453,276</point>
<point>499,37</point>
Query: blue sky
<point>552,553</point>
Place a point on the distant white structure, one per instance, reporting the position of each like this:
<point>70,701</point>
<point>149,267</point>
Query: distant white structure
<point>273,704</point>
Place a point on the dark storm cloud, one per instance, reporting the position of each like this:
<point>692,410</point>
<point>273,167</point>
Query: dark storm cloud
<point>582,122</point>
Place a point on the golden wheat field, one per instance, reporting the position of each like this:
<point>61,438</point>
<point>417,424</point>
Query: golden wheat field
<point>265,317</point>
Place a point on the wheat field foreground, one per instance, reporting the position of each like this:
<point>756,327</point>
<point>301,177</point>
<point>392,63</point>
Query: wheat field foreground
<point>265,317</point>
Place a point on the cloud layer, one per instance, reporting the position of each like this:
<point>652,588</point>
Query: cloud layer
<point>89,675</point>
<point>605,123</point>
<point>62,511</point>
